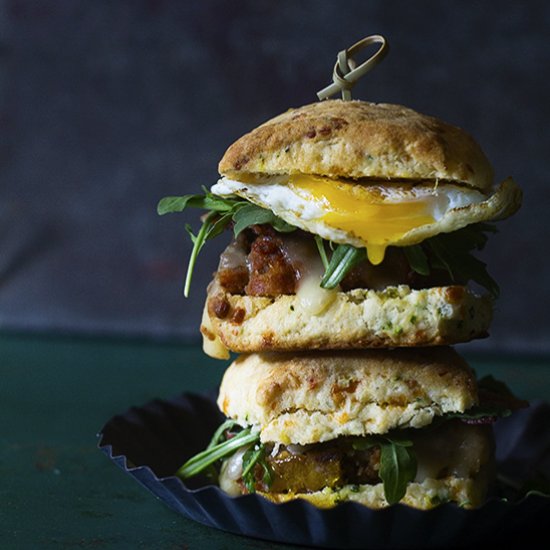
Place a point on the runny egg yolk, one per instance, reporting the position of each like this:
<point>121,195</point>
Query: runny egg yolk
<point>364,212</point>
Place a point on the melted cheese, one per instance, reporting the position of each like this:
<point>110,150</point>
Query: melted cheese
<point>230,473</point>
<point>211,343</point>
<point>311,297</point>
<point>364,212</point>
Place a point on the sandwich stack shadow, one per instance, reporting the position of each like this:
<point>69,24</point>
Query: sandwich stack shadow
<point>348,279</point>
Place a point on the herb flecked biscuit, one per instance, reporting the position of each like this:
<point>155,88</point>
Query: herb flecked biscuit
<point>469,492</point>
<point>358,139</point>
<point>313,397</point>
<point>361,318</point>
<point>366,144</point>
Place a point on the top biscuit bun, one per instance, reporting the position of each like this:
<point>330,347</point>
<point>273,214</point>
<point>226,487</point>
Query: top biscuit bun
<point>358,139</point>
<point>311,396</point>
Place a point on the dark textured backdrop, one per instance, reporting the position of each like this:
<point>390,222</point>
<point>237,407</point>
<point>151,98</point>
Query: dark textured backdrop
<point>108,106</point>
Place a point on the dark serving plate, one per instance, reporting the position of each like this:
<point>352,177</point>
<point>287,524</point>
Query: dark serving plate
<point>151,442</point>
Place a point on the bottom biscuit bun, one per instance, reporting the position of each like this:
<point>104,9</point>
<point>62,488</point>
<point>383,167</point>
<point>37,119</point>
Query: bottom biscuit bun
<point>450,461</point>
<point>467,493</point>
<point>395,317</point>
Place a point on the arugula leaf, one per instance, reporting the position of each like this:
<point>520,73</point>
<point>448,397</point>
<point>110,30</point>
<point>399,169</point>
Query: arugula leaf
<point>219,433</point>
<point>250,214</point>
<point>497,401</point>
<point>397,463</point>
<point>209,456</point>
<point>212,226</point>
<point>452,252</point>
<point>322,251</point>
<point>252,457</point>
<point>343,259</point>
<point>208,201</point>
<point>222,212</point>
<point>474,236</point>
<point>267,477</point>
<point>417,259</point>
<point>178,204</point>
<point>476,412</point>
<point>218,437</point>
<point>220,448</point>
<point>397,468</point>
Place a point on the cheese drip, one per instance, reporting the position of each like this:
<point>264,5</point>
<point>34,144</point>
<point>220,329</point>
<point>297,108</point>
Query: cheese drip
<point>364,212</point>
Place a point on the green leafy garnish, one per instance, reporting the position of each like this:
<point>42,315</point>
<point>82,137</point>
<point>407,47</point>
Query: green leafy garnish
<point>476,413</point>
<point>397,463</point>
<point>220,448</point>
<point>222,212</point>
<point>212,225</point>
<point>209,456</point>
<point>255,215</point>
<point>252,457</point>
<point>322,250</point>
<point>219,434</point>
<point>208,201</point>
<point>397,468</point>
<point>417,258</point>
<point>451,252</point>
<point>218,437</point>
<point>497,401</point>
<point>343,259</point>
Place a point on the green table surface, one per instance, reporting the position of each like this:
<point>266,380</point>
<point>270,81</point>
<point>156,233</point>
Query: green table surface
<point>57,490</point>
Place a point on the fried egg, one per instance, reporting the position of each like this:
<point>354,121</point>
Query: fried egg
<point>373,215</point>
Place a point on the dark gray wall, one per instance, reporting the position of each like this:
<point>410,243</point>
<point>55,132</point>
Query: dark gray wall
<point>108,106</point>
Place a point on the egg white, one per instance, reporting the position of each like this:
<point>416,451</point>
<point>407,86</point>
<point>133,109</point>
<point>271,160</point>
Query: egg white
<point>451,206</point>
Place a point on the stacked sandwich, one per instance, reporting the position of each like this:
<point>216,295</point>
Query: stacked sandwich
<point>351,272</point>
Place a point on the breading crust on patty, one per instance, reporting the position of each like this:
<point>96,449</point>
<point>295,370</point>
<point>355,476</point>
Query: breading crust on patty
<point>312,397</point>
<point>360,318</point>
<point>358,139</point>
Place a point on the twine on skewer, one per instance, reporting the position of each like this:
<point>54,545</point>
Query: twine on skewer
<point>346,72</point>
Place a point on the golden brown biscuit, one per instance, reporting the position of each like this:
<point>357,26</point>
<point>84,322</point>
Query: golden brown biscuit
<point>358,139</point>
<point>466,492</point>
<point>313,397</point>
<point>394,317</point>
